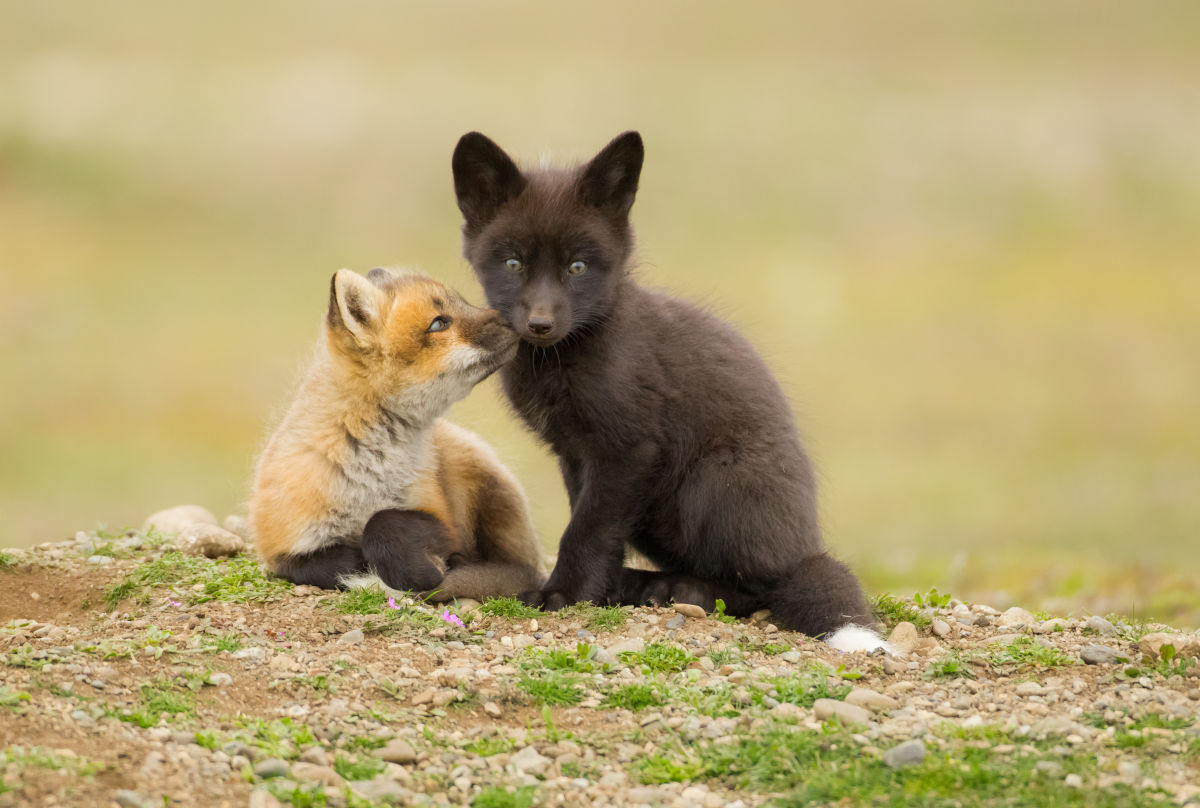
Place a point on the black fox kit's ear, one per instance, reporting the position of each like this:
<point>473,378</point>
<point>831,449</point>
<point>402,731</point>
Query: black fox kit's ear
<point>484,178</point>
<point>354,304</point>
<point>610,181</point>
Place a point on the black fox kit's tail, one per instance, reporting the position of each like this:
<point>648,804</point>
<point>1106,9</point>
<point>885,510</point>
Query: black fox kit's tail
<point>821,597</point>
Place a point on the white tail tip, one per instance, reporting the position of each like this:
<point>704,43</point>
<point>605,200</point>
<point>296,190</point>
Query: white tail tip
<point>850,638</point>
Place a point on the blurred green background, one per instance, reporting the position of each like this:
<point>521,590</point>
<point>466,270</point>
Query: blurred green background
<point>965,235</point>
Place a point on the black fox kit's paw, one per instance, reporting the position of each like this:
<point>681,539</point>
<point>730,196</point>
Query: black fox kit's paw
<point>545,599</point>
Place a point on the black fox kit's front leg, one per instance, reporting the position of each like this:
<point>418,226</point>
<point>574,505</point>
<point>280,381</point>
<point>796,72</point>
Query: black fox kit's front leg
<point>593,545</point>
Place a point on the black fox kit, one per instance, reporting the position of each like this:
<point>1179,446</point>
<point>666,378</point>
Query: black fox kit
<point>672,435</point>
<point>364,476</point>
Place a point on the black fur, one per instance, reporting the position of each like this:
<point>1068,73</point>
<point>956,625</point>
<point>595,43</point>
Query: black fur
<point>399,546</point>
<point>672,435</point>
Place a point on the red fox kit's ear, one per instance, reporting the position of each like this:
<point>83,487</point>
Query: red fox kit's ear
<point>610,181</point>
<point>484,178</point>
<point>354,304</point>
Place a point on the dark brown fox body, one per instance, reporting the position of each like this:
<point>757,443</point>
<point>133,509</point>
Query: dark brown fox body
<point>672,435</point>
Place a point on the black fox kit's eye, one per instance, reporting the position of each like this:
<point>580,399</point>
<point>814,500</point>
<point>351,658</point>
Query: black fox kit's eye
<point>513,264</point>
<point>439,324</point>
<point>577,268</point>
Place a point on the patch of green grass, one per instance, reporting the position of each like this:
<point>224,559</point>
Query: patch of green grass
<point>319,682</point>
<point>486,747</point>
<point>710,700</point>
<point>551,688</point>
<point>361,600</point>
<point>281,738</point>
<point>23,656</point>
<point>1026,651</point>
<point>297,795</point>
<point>632,697</point>
<point>365,743</point>
<point>1159,721</point>
<point>826,766</point>
<point>804,688</point>
<point>357,767</point>
<point>891,610</point>
<point>155,699</point>
<point>659,657</point>
<point>724,656</point>
<point>12,698</point>
<point>38,757</point>
<point>7,561</point>
<point>497,797</point>
<point>511,608</point>
<point>226,641</point>
<point>560,659</point>
<point>951,666</point>
<point>598,618</point>
<point>240,579</point>
<point>208,739</point>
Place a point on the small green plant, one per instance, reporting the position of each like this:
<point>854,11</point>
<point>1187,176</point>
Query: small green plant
<point>847,674</point>
<point>776,648</point>
<point>598,618</point>
<point>486,747</point>
<point>551,688</point>
<point>227,641</point>
<point>658,769</point>
<point>319,682</point>
<point>1159,721</point>
<point>559,659</point>
<point>496,797</point>
<point>12,698</point>
<point>932,600</point>
<point>7,560</point>
<point>1026,651</point>
<point>805,688</point>
<point>208,739</point>
<point>724,656</point>
<point>632,697</point>
<point>951,666</point>
<point>357,767</point>
<point>891,611</point>
<point>361,600</point>
<point>511,608</point>
<point>39,757</point>
<point>659,657</point>
<point>157,698</point>
<point>718,613</point>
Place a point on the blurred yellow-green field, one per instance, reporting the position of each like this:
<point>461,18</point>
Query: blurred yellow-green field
<point>965,235</point>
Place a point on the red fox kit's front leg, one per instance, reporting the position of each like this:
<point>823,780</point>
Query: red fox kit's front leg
<point>406,549</point>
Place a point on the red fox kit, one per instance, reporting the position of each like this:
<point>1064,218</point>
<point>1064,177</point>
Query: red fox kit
<point>363,475</point>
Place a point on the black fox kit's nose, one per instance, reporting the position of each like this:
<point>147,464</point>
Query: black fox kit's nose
<point>540,324</point>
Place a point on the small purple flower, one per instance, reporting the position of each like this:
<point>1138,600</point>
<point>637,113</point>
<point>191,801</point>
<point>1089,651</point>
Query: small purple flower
<point>174,603</point>
<point>452,618</point>
<point>392,603</point>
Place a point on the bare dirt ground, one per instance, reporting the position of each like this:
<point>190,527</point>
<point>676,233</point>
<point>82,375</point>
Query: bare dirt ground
<point>137,675</point>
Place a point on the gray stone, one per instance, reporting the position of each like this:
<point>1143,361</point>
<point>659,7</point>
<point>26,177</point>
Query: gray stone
<point>878,702</point>
<point>1101,626</point>
<point>528,761</point>
<point>397,750</point>
<point>677,621</point>
<point>174,520</point>
<point>271,767</point>
<point>315,773</point>
<point>352,637</point>
<point>1101,655</point>
<point>128,799</point>
<point>382,789</point>
<point>909,753</point>
<point>220,679</point>
<point>825,709</point>
<point>1016,616</point>
<point>632,644</point>
<point>315,755</point>
<point>209,541</point>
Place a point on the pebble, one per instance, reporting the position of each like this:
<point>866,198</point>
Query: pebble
<point>271,767</point>
<point>352,637</point>
<point>632,644</point>
<point>100,559</point>
<point>1100,655</point>
<point>315,755</point>
<point>677,621</point>
<point>825,709</point>
<point>314,773</point>
<point>909,753</point>
<point>492,709</point>
<point>528,761</point>
<point>397,750</point>
<point>1101,626</point>
<point>220,679</point>
<point>263,799</point>
<point>1073,781</point>
<point>175,520</point>
<point>690,610</point>
<point>904,637</point>
<point>1016,616</point>
<point>128,799</point>
<point>940,627</point>
<point>1030,689</point>
<point>878,702</point>
<point>381,789</point>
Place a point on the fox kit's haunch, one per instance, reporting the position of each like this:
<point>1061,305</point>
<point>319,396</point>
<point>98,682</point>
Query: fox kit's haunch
<point>671,433</point>
<point>363,476</point>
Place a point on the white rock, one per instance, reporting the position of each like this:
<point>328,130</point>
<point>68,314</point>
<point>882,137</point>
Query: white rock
<point>903,638</point>
<point>174,520</point>
<point>352,637</point>
<point>940,627</point>
<point>209,541</point>
<point>909,753</point>
<point>263,799</point>
<point>220,679</point>
<point>1101,626</point>
<point>1073,781</point>
<point>315,773</point>
<point>632,644</point>
<point>1030,689</point>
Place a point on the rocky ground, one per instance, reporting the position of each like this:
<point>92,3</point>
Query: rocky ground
<point>137,674</point>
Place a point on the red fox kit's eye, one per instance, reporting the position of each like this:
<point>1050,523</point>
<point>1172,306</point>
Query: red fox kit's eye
<point>513,264</point>
<point>577,268</point>
<point>439,324</point>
